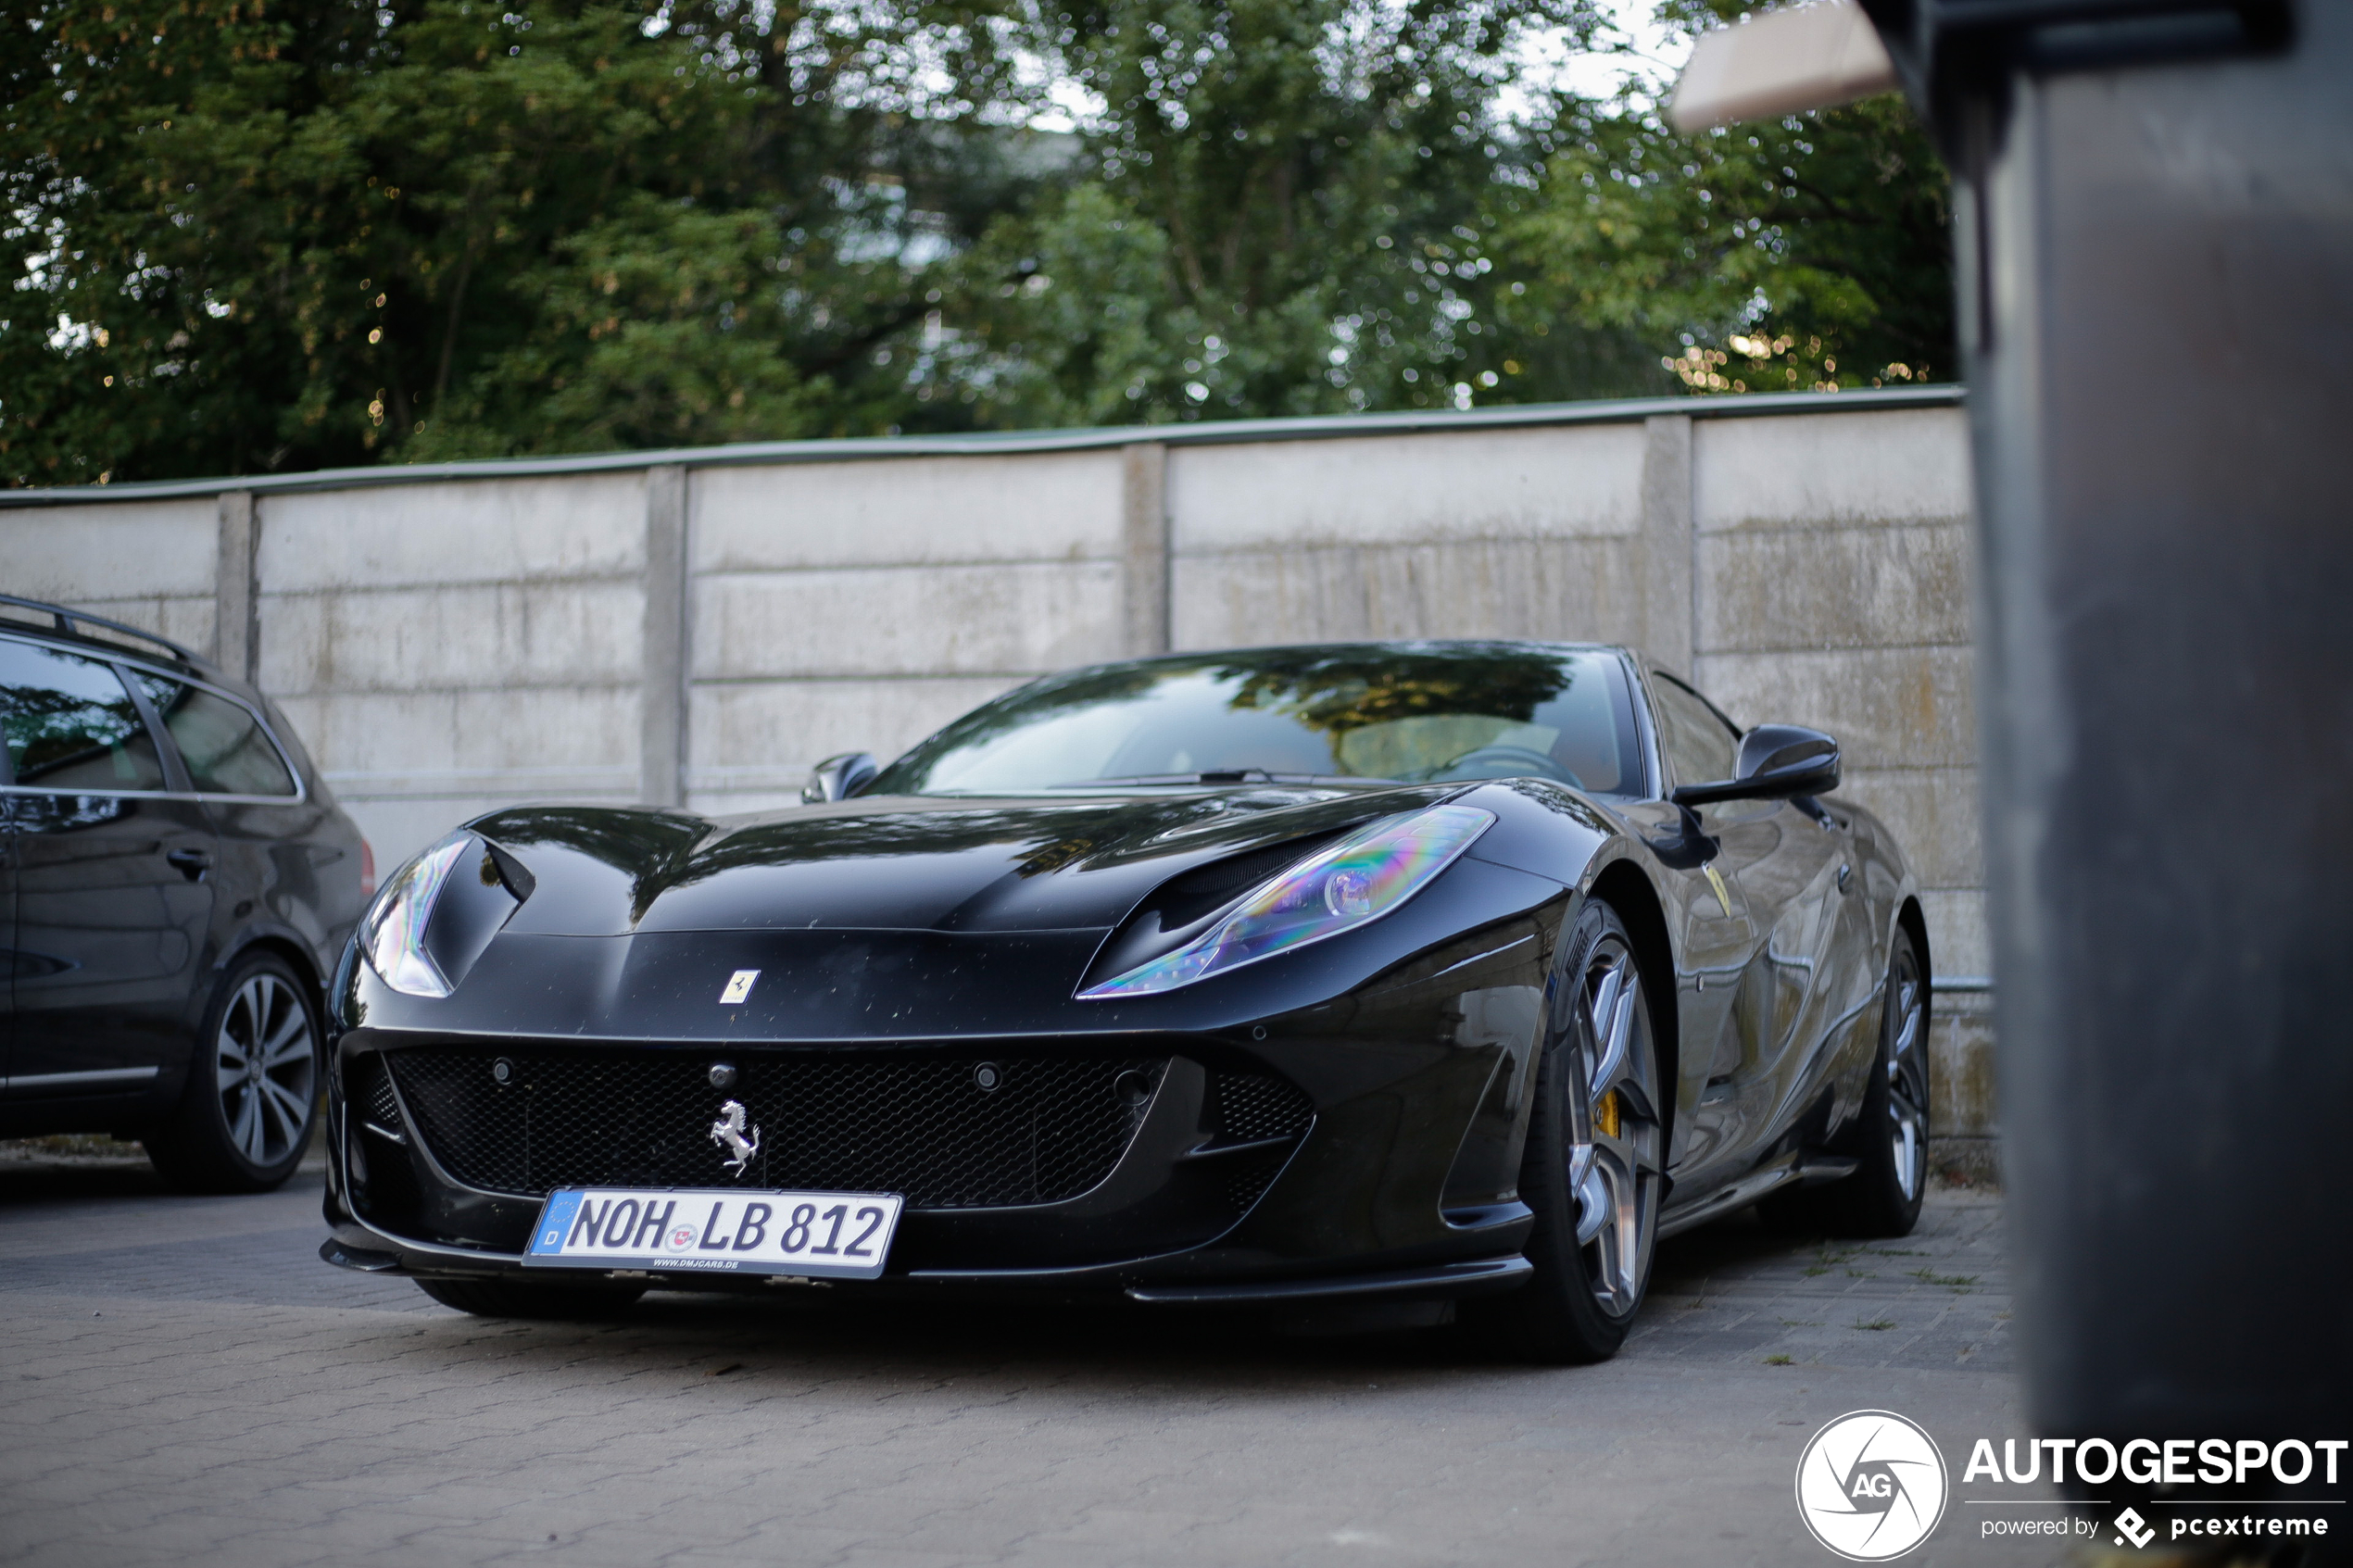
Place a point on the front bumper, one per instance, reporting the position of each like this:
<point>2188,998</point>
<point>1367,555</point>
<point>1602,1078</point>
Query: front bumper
<point>1379,1156</point>
<point>1221,1192</point>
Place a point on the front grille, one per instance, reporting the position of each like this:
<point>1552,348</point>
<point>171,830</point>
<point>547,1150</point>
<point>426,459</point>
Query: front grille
<point>920,1126</point>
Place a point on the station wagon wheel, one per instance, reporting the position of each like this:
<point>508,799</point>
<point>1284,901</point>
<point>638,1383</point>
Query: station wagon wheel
<point>1615,1162</point>
<point>1592,1172</point>
<point>252,1087</point>
<point>265,1065</point>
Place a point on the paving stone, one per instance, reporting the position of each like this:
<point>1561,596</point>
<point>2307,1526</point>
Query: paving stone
<point>182,1381</point>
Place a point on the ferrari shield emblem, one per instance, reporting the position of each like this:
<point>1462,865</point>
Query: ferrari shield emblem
<point>739,986</point>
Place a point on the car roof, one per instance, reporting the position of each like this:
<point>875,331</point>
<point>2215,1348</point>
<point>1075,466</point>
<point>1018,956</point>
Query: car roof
<point>64,631</point>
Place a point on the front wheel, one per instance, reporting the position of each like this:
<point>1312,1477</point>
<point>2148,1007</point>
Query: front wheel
<point>1595,1168</point>
<point>245,1118</point>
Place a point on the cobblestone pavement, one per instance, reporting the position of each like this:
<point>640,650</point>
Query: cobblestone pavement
<point>181,1381</point>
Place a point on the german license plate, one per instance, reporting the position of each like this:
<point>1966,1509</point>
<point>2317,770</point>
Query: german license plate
<point>839,1234</point>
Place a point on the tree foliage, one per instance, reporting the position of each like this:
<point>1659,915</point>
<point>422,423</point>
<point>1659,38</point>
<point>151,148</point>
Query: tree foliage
<point>247,236</point>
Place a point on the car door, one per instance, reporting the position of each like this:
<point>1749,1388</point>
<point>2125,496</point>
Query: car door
<point>1719,935</point>
<point>1785,856</point>
<point>113,901</point>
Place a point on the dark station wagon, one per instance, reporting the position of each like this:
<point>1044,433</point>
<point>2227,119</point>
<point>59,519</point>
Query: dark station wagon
<point>176,885</point>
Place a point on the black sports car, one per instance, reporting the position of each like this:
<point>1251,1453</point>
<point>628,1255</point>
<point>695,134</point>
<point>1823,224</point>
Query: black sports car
<point>1362,979</point>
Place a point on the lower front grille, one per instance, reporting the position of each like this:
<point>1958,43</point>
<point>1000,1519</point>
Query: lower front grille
<point>921,1126</point>
<point>1251,1106</point>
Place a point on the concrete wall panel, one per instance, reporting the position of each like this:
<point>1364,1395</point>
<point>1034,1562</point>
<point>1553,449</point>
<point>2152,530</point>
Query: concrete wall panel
<point>393,736</point>
<point>525,634</point>
<point>110,553</point>
<point>1793,588</point>
<point>1482,484</point>
<point>765,735</point>
<point>1961,1065</point>
<point>1932,812</point>
<point>909,620</point>
<point>1877,467</point>
<point>917,510</point>
<point>1568,589</point>
<point>491,531</point>
<point>188,621</point>
<point>1889,707</point>
<point>1957,936</point>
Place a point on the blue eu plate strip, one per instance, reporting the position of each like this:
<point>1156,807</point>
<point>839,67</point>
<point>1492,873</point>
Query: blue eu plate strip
<point>554,1220</point>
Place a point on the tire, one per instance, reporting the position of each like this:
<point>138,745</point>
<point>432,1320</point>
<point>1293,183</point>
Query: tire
<point>508,1299</point>
<point>1596,1191</point>
<point>252,1098</point>
<point>1888,1137</point>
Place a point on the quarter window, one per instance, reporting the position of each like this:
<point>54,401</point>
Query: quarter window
<point>224,746</point>
<point>71,726</point>
<point>1701,747</point>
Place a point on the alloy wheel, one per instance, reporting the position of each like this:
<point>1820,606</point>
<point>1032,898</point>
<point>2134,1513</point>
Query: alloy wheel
<point>1614,1166</point>
<point>266,1062</point>
<point>1907,1073</point>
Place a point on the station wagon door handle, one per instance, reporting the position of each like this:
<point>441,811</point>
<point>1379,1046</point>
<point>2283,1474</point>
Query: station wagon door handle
<point>191,863</point>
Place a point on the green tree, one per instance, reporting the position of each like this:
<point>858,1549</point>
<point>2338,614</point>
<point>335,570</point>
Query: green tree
<point>257,235</point>
<point>1809,252</point>
<point>1282,211</point>
<point>247,236</point>
<point>1299,208</point>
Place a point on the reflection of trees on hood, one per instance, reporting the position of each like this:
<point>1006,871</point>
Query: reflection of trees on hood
<point>661,852</point>
<point>1335,690</point>
<point>649,845</point>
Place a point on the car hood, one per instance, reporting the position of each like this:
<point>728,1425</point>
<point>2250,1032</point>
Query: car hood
<point>903,864</point>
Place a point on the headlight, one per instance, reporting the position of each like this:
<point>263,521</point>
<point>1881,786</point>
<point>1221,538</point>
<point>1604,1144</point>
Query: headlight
<point>1341,887</point>
<point>394,934</point>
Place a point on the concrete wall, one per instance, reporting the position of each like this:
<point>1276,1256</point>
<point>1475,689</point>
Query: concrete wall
<point>701,626</point>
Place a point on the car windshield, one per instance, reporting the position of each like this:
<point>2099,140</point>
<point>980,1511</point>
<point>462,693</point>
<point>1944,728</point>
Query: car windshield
<point>1416,712</point>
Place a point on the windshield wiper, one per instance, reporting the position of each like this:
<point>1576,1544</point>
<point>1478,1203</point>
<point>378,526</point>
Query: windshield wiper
<point>1215,776</point>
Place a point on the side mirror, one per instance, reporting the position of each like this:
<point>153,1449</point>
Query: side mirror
<point>1776,760</point>
<point>839,778</point>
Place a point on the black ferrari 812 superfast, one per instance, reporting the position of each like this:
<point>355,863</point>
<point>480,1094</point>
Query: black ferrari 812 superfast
<point>1384,983</point>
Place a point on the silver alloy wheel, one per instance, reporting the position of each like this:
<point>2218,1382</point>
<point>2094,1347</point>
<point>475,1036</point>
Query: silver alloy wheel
<point>1907,1073</point>
<point>267,1064</point>
<point>1614,1173</point>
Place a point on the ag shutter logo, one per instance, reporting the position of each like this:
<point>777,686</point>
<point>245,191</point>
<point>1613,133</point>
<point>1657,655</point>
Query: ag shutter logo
<point>1872,1485</point>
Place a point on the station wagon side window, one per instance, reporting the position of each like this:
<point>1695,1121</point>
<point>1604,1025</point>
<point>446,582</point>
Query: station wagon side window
<point>71,726</point>
<point>1700,747</point>
<point>220,740</point>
